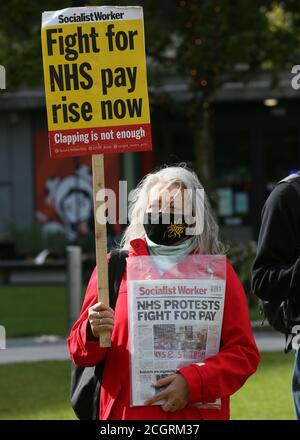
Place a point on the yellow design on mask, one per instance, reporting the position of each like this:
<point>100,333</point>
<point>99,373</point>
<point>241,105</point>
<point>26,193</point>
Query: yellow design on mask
<point>174,230</point>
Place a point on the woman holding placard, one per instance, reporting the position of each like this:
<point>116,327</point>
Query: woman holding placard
<point>170,217</point>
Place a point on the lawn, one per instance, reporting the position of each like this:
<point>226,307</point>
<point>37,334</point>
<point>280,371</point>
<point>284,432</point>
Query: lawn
<point>35,391</point>
<point>41,391</point>
<point>255,314</point>
<point>40,310</point>
<point>33,310</point>
<point>267,394</point>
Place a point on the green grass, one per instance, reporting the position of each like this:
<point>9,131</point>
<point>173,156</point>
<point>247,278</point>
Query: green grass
<point>41,310</point>
<point>267,394</point>
<point>41,391</point>
<point>33,310</point>
<point>255,314</point>
<point>35,391</point>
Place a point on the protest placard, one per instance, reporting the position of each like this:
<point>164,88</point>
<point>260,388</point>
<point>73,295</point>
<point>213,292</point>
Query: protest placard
<point>96,81</point>
<point>96,94</point>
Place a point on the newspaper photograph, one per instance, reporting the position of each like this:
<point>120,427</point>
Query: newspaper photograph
<point>174,320</point>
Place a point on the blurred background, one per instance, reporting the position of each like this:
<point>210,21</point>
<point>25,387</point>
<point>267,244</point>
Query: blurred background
<point>221,97</point>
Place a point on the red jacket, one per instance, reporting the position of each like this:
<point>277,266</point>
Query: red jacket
<point>221,376</point>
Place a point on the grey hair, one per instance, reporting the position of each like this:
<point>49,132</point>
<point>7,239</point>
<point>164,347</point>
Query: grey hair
<point>207,242</point>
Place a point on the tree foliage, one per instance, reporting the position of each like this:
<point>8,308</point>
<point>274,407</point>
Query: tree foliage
<point>20,40</point>
<point>210,41</point>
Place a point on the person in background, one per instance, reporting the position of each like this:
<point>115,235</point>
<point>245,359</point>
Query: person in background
<point>276,268</point>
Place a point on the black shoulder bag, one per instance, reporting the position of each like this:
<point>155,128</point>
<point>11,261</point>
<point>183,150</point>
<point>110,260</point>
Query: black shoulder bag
<point>283,315</point>
<point>86,381</point>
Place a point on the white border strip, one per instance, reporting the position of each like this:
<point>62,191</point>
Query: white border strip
<point>96,14</point>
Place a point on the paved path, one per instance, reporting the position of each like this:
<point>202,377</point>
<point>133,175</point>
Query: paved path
<point>269,341</point>
<point>45,348</point>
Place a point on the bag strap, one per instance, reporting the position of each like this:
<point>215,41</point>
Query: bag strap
<point>116,267</point>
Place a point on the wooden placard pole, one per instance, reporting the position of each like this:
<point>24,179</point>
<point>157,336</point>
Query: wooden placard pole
<point>100,241</point>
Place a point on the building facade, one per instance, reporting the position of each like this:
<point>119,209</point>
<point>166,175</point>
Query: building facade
<point>256,136</point>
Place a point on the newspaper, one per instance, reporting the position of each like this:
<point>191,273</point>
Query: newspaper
<point>174,320</point>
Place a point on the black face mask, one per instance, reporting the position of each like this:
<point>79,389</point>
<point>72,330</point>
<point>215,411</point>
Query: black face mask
<point>164,233</point>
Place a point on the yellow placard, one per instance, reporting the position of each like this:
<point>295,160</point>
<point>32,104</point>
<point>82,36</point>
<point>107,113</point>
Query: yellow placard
<point>96,80</point>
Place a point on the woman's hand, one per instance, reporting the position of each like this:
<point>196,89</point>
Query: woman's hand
<point>101,318</point>
<point>176,393</point>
